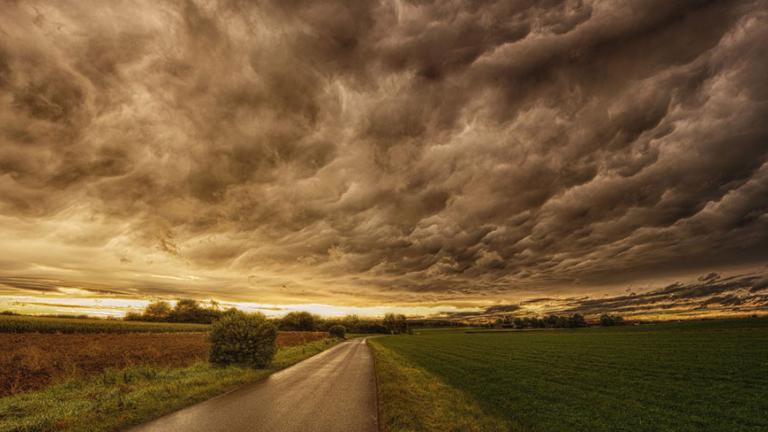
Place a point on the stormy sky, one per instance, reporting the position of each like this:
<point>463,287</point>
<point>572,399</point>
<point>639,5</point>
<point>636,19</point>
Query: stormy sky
<point>365,153</point>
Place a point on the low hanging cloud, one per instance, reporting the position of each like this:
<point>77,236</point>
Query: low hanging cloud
<point>380,152</point>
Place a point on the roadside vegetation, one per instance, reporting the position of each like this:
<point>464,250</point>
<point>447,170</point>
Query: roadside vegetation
<point>115,399</point>
<point>338,331</point>
<point>243,339</point>
<point>687,376</point>
<point>412,399</point>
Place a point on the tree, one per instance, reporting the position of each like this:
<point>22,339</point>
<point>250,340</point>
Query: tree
<point>338,331</point>
<point>188,310</point>
<point>576,320</point>
<point>351,322</point>
<point>157,311</point>
<point>390,322</point>
<point>244,339</point>
<point>562,322</point>
<point>551,321</point>
<point>607,320</point>
<point>395,324</point>
<point>402,324</point>
<point>185,310</point>
<point>298,321</point>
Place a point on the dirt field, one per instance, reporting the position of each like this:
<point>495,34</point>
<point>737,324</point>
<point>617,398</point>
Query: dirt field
<point>285,338</point>
<point>30,361</point>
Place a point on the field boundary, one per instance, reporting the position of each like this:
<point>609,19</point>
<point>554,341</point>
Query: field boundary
<point>412,399</point>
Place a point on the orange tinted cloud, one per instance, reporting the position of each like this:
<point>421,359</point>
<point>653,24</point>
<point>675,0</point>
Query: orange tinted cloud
<point>376,153</point>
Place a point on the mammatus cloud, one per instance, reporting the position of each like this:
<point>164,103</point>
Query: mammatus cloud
<point>408,152</point>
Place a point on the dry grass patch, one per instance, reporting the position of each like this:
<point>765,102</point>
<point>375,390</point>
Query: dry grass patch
<point>30,361</point>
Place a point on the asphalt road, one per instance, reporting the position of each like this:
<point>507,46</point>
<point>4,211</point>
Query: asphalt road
<point>332,391</point>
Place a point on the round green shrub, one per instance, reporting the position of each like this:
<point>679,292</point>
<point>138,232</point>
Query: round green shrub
<point>243,339</point>
<point>338,331</point>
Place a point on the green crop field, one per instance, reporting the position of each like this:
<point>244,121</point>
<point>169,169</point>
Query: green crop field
<point>21,324</point>
<point>697,376</point>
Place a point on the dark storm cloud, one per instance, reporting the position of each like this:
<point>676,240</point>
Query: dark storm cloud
<point>42,285</point>
<point>410,151</point>
<point>30,284</point>
<point>502,308</point>
<point>709,294</point>
<point>709,291</point>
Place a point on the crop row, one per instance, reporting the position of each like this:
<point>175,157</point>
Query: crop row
<point>706,376</point>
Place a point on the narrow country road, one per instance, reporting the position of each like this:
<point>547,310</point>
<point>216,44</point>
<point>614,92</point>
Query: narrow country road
<point>332,391</point>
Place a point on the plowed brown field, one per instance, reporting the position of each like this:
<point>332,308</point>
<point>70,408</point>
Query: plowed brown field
<point>30,361</point>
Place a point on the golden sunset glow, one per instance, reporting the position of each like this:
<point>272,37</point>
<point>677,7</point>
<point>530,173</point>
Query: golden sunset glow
<point>425,158</point>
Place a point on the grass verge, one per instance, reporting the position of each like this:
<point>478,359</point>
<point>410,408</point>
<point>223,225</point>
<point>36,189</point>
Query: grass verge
<point>411,399</point>
<point>116,399</point>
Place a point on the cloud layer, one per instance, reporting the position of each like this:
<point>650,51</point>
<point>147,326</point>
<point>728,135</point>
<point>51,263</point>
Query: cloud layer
<point>711,295</point>
<point>387,152</point>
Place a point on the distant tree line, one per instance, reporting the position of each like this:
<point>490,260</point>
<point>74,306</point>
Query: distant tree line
<point>184,311</point>
<point>434,323</point>
<point>550,321</point>
<point>554,321</point>
<point>192,311</point>
<point>607,320</point>
<point>305,321</point>
<point>396,324</point>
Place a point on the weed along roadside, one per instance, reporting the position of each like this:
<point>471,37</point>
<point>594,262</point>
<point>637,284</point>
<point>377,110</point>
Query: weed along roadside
<point>413,399</point>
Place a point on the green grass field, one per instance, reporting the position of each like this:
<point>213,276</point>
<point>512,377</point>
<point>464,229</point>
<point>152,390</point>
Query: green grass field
<point>23,324</point>
<point>696,376</point>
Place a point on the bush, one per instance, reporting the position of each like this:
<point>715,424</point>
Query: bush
<point>298,321</point>
<point>338,331</point>
<point>607,320</point>
<point>244,339</point>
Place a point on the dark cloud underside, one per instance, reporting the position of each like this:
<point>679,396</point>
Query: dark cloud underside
<point>712,296</point>
<point>407,151</point>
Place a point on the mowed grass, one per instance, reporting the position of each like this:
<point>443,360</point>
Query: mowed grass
<point>115,399</point>
<point>25,324</point>
<point>698,376</point>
